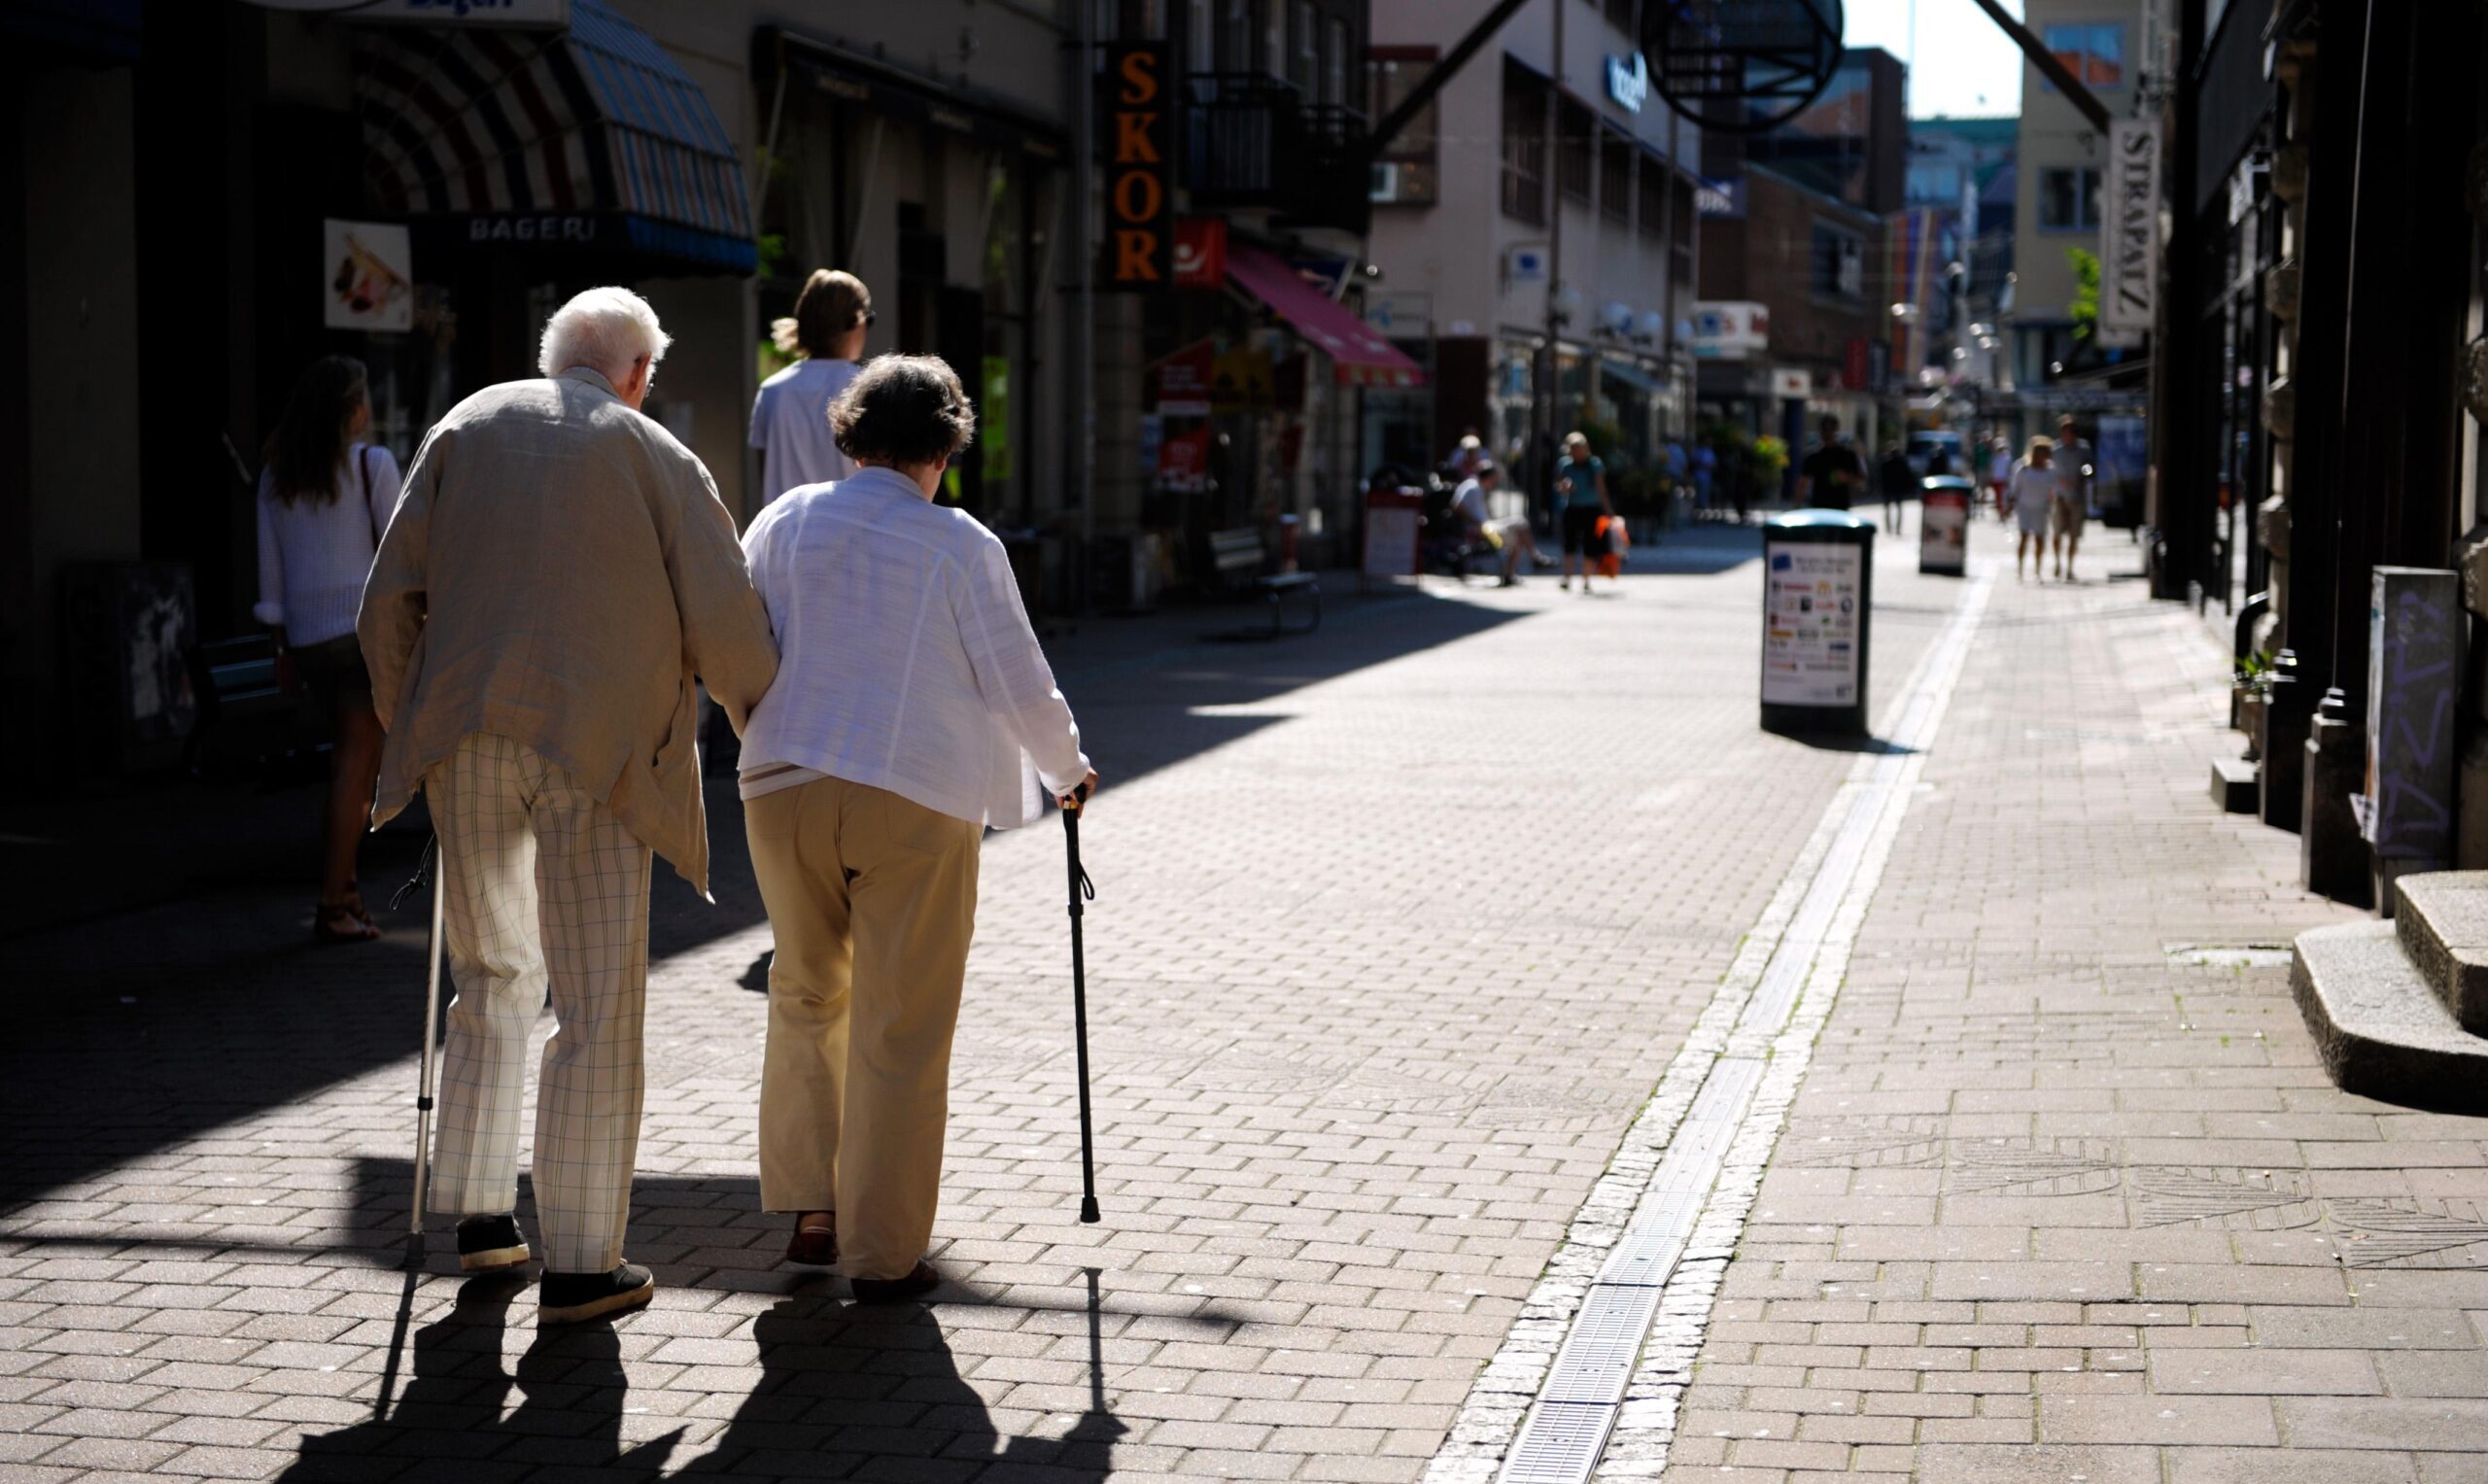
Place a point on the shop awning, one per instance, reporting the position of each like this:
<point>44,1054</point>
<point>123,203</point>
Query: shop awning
<point>1361,355</point>
<point>587,137</point>
<point>1631,376</point>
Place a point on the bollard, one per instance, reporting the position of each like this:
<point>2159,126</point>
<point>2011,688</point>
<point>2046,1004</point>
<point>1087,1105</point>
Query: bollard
<point>1818,599</point>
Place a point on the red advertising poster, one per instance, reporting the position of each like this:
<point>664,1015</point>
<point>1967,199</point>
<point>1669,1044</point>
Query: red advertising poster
<point>1200,251</point>
<point>1855,374</point>
<point>1183,461</point>
<point>1179,385</point>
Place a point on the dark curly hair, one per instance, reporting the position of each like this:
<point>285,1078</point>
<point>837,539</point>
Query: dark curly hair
<point>903,412</point>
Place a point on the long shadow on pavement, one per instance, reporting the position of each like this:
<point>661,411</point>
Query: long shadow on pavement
<point>147,1030</point>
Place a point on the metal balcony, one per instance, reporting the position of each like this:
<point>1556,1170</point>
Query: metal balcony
<point>1251,140</point>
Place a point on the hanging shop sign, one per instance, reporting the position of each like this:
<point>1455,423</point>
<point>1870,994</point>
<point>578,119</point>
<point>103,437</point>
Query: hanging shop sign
<point>1741,66</point>
<point>1179,386</point>
<point>1201,252</point>
<point>1243,380</point>
<point>1140,201</point>
<point>372,276</point>
<point>2130,255</point>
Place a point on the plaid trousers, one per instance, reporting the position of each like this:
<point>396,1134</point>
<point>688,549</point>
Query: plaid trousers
<point>545,887</point>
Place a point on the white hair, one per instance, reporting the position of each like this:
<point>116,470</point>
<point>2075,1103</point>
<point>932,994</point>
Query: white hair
<point>605,329</point>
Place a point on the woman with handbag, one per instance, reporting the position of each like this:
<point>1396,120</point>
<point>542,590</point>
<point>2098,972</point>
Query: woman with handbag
<point>326,497</point>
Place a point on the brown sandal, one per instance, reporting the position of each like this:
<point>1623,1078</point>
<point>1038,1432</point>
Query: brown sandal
<point>814,1245</point>
<point>339,922</point>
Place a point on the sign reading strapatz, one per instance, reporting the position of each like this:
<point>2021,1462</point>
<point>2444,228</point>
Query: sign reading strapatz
<point>1140,199</point>
<point>2129,249</point>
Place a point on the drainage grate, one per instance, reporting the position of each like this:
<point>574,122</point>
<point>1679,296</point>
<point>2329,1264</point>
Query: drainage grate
<point>1559,1444</point>
<point>1597,1358</point>
<point>1648,1250</point>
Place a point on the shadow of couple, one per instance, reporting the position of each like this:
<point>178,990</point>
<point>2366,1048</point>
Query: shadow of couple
<point>834,1387</point>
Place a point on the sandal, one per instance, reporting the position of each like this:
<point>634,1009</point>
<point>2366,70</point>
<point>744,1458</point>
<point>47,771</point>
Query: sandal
<point>339,922</point>
<point>354,904</point>
<point>814,1243</point>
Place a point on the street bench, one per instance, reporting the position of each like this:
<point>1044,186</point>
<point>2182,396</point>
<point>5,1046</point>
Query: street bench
<point>1236,557</point>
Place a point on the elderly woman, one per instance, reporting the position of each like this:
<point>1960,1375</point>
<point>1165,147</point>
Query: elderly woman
<point>913,710</point>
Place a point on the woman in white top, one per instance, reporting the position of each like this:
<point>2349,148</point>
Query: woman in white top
<point>326,497</point>
<point>911,711</point>
<point>2030,492</point>
<point>790,417</point>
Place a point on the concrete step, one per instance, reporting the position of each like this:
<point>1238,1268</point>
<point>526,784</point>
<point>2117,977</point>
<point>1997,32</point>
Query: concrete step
<point>2233,784</point>
<point>2378,1024</point>
<point>2442,917</point>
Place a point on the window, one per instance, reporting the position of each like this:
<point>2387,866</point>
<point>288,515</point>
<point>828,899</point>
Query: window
<point>1576,138</point>
<point>1335,64</point>
<point>2093,51</point>
<point>1200,36</point>
<point>1936,184</point>
<point>1616,176</point>
<point>1654,185</point>
<point>1305,64</point>
<point>1405,173</point>
<point>1274,37</point>
<point>2069,200</point>
<point>1235,36</point>
<point>1524,146</point>
<point>1837,268</point>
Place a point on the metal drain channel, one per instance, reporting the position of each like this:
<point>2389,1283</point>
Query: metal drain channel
<point>1567,1425</point>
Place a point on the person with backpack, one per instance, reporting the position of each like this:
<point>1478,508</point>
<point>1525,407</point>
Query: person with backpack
<point>326,497</point>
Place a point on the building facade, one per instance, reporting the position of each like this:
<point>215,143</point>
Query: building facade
<point>2060,166</point>
<point>1541,256</point>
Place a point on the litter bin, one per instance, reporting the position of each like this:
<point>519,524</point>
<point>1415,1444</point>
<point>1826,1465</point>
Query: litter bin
<point>1817,594</point>
<point>1944,531</point>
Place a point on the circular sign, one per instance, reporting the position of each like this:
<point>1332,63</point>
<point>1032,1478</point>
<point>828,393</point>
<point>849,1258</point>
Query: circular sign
<point>1741,66</point>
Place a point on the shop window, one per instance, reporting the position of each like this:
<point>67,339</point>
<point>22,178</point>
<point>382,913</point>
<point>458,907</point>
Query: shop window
<point>1837,268</point>
<point>2069,200</point>
<point>1577,137</point>
<point>1524,146</point>
<point>1235,36</point>
<point>1304,63</point>
<point>1405,172</point>
<point>1201,35</point>
<point>2093,51</point>
<point>1616,176</point>
<point>1274,37</point>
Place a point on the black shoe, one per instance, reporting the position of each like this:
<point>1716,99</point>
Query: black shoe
<point>566,1299</point>
<point>488,1244</point>
<point>918,1282</point>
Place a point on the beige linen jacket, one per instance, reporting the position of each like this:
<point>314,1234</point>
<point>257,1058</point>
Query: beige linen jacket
<point>558,570</point>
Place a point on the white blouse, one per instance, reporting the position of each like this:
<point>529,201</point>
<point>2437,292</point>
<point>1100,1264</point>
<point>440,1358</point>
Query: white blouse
<point>905,661</point>
<point>316,554</point>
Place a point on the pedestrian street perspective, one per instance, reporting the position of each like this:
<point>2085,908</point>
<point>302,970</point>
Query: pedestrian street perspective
<point>1468,741</point>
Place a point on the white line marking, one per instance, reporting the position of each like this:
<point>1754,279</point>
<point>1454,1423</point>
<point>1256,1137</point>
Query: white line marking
<point>1672,1205</point>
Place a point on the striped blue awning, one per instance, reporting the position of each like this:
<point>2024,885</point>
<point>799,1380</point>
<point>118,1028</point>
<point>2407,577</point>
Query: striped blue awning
<point>589,136</point>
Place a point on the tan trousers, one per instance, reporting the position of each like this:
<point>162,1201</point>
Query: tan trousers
<point>872,900</point>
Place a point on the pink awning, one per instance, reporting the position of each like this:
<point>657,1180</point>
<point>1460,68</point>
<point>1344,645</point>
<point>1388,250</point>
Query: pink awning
<point>1362,357</point>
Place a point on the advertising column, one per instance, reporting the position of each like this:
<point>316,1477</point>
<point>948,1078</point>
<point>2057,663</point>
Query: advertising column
<point>1817,596</point>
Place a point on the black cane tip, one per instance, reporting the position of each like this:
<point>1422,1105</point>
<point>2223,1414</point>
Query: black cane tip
<point>1089,1216</point>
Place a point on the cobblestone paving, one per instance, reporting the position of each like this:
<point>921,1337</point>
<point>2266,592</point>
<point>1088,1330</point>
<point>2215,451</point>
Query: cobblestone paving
<point>1399,925</point>
<point>2065,1194</point>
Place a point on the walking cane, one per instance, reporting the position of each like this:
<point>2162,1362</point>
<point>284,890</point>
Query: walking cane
<point>1082,890</point>
<point>432,865</point>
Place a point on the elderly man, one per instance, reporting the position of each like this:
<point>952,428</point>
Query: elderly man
<point>559,572</point>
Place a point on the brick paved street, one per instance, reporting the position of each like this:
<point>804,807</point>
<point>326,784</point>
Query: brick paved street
<point>1398,927</point>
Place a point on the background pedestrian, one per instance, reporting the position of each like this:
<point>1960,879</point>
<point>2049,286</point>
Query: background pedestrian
<point>914,709</point>
<point>1897,481</point>
<point>1580,490</point>
<point>790,417</point>
<point>558,572</point>
<point>326,497</point>
<point>1832,475</point>
<point>2032,490</point>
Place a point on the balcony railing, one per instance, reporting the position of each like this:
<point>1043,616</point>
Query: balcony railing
<point>1251,140</point>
